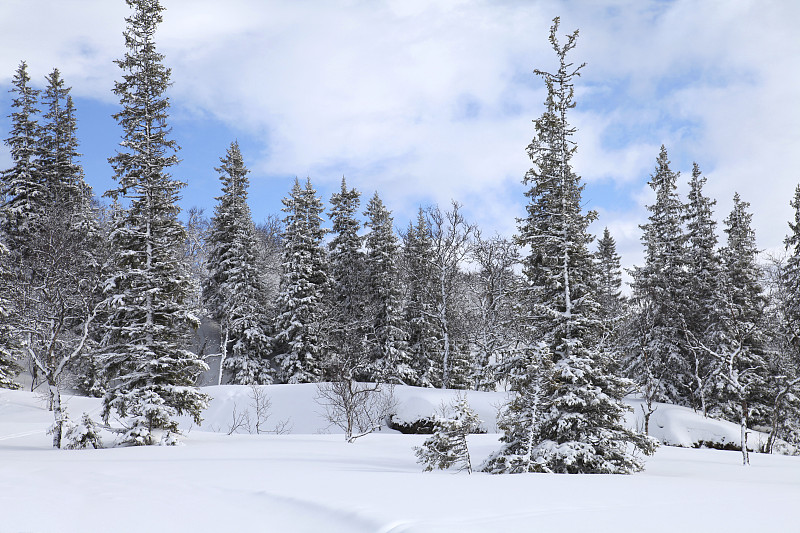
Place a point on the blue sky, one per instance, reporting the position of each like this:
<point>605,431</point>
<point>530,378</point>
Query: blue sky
<point>431,101</point>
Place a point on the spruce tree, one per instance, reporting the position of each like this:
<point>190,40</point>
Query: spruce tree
<point>447,447</point>
<point>21,207</point>
<point>149,369</point>
<point>346,324</point>
<point>22,185</point>
<point>234,291</point>
<point>423,340</point>
<point>609,282</point>
<point>703,273</point>
<point>661,362</point>
<point>580,427</point>
<point>56,266</point>
<point>791,274</point>
<point>298,339</point>
<point>9,344</point>
<point>740,334</point>
<point>387,345</point>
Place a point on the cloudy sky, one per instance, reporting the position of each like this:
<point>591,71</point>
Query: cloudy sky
<point>428,101</point>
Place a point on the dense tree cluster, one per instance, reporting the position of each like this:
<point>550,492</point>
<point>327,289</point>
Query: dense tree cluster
<point>106,299</point>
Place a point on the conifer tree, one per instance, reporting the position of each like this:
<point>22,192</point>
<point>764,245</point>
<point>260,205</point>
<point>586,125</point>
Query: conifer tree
<point>703,272</point>
<point>149,370</point>
<point>9,344</point>
<point>739,346</point>
<point>346,324</point>
<point>580,428</point>
<point>661,363</point>
<point>609,282</point>
<point>447,447</point>
<point>423,341</point>
<point>56,263</point>
<point>386,337</point>
<point>22,184</point>
<point>234,291</point>
<point>298,340</point>
<point>791,274</point>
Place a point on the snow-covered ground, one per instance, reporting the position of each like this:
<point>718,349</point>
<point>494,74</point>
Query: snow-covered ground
<point>313,481</point>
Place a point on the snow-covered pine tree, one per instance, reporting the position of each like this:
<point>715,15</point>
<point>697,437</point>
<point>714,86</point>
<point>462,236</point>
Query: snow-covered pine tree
<point>739,343</point>
<point>609,281</point>
<point>21,205</point>
<point>72,220</point>
<point>234,291</point>
<point>9,344</point>
<point>150,371</point>
<point>423,341</point>
<point>660,361</point>
<point>703,273</point>
<point>386,337</point>
<point>346,324</point>
<point>298,340</point>
<point>791,274</point>
<point>447,447</point>
<point>56,268</point>
<point>22,184</point>
<point>581,426</point>
<point>783,318</point>
<point>782,350</point>
<point>520,418</point>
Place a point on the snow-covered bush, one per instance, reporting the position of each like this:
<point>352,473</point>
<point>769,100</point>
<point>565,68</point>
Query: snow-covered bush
<point>83,435</point>
<point>447,447</point>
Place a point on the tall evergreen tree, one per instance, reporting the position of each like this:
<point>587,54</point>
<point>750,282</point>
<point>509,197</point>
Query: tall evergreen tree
<point>609,282</point>
<point>56,264</point>
<point>741,314</point>
<point>151,374</point>
<point>703,273</point>
<point>661,362</point>
<point>791,274</point>
<point>234,291</point>
<point>22,185</point>
<point>298,340</point>
<point>580,427</point>
<point>386,337</point>
<point>346,324</point>
<point>9,344</point>
<point>423,341</point>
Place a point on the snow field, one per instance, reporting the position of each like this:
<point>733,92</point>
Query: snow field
<point>308,481</point>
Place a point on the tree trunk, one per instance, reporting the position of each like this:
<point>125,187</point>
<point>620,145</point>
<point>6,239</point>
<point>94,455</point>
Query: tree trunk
<point>745,453</point>
<point>222,357</point>
<point>58,425</point>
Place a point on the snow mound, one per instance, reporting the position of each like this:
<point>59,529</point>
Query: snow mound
<point>674,425</point>
<point>294,408</point>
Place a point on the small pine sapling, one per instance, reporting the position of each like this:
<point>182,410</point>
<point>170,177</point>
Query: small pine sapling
<point>83,435</point>
<point>447,447</point>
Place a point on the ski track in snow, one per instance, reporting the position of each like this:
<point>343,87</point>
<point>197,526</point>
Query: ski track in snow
<point>21,434</point>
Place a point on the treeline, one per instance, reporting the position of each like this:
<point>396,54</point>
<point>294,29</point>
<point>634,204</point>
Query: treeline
<point>105,298</point>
